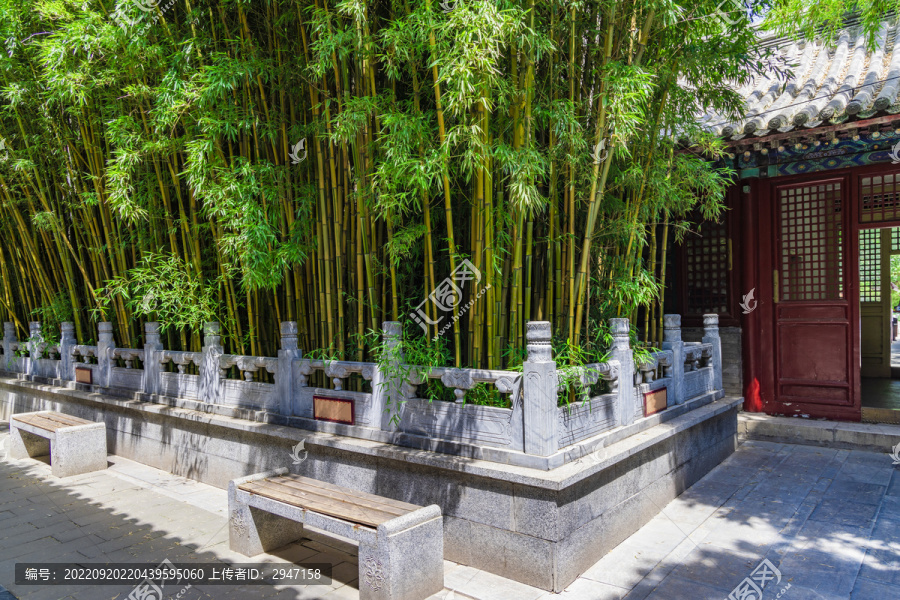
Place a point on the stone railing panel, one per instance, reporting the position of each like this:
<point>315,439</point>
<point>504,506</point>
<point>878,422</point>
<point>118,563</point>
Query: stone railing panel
<point>534,424</point>
<point>581,420</point>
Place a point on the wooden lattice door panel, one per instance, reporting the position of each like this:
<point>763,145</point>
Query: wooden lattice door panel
<point>706,257</point>
<point>813,341</point>
<point>879,198</point>
<point>811,244</point>
<point>870,265</point>
<point>875,302</point>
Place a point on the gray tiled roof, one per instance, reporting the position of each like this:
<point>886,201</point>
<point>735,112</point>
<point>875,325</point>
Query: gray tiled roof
<point>833,82</point>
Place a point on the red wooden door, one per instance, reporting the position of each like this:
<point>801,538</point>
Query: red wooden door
<point>814,327</point>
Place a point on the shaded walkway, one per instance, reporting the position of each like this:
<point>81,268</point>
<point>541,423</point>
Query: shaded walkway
<point>134,513</point>
<point>828,520</point>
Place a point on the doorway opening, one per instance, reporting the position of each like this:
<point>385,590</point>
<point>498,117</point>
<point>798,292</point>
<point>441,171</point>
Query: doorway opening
<point>879,309</point>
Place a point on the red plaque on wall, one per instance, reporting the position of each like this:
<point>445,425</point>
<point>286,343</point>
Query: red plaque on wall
<point>84,375</point>
<point>337,410</point>
<point>655,401</point>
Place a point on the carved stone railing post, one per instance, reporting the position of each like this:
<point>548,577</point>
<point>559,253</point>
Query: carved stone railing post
<point>711,336</point>
<point>64,368</point>
<point>629,404</point>
<point>105,345</point>
<point>672,341</point>
<point>35,347</point>
<point>152,366</point>
<point>387,384</point>
<point>541,395</point>
<point>9,338</point>
<point>212,383</point>
<point>284,377</point>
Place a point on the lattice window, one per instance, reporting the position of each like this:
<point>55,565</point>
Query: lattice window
<point>810,243</point>
<point>880,196</point>
<point>707,270</point>
<point>895,239</point>
<point>870,265</point>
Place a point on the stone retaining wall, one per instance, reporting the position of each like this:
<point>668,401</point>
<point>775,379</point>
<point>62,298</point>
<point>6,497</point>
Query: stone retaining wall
<point>541,527</point>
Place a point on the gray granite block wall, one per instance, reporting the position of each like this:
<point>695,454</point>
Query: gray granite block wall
<point>539,527</point>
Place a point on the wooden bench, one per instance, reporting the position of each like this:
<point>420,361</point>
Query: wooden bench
<point>75,445</point>
<point>401,546</point>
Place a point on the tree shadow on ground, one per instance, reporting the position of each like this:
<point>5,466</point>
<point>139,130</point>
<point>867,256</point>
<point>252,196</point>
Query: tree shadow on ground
<point>101,518</point>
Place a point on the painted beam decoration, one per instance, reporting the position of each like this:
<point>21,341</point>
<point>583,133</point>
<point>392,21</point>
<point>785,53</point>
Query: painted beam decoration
<point>838,111</point>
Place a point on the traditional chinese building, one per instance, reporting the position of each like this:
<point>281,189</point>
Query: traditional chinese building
<point>799,268</point>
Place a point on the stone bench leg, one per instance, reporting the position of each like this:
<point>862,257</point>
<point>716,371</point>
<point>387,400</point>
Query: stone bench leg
<point>252,531</point>
<point>24,444</point>
<point>78,449</point>
<point>407,560</point>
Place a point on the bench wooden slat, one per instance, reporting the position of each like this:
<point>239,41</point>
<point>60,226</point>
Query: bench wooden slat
<point>50,420</point>
<point>316,503</point>
<point>347,498</point>
<point>363,498</point>
<point>67,419</point>
<point>40,422</point>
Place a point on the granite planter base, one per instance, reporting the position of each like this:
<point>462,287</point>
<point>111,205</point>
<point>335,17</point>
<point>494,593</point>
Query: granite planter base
<point>540,527</point>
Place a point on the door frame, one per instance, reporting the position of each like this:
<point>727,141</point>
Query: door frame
<point>760,216</point>
<point>766,315</point>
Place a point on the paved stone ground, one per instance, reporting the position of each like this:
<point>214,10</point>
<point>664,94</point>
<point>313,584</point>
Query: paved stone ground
<point>828,520</point>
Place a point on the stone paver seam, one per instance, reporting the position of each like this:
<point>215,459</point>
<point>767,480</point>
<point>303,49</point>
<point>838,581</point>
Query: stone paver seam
<point>784,457</point>
<point>871,531</point>
<point>726,500</point>
<point>59,508</point>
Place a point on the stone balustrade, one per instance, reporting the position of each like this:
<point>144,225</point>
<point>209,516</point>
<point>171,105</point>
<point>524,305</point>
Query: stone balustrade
<point>537,421</point>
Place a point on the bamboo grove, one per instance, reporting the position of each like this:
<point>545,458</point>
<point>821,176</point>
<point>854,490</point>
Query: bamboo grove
<point>332,162</point>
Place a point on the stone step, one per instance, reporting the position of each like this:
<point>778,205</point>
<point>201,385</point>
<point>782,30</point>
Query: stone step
<point>875,437</point>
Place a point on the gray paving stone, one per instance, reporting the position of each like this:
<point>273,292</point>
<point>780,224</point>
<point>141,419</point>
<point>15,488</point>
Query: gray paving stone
<point>866,589</point>
<point>796,592</point>
<point>632,560</point>
<point>674,587</point>
<point>844,512</point>
<point>883,565</point>
<point>825,572</point>
<point>584,589</point>
<point>894,487</point>
<point>856,491</point>
<point>713,567</point>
